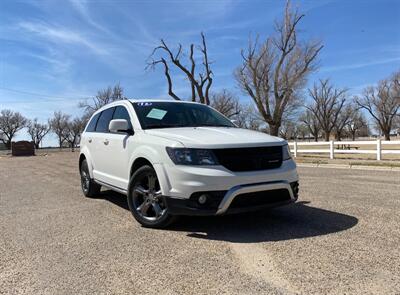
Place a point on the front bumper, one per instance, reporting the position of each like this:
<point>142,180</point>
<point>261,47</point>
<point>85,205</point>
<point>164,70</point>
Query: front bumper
<point>241,198</point>
<point>178,181</point>
<point>228,190</point>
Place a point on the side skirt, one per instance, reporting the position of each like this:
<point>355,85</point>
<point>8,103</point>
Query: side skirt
<point>112,187</point>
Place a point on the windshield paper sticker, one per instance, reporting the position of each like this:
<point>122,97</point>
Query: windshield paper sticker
<point>156,114</point>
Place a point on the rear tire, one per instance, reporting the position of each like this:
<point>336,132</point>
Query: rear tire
<point>147,204</point>
<point>89,188</point>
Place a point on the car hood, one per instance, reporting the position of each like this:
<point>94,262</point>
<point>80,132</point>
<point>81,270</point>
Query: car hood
<point>216,137</point>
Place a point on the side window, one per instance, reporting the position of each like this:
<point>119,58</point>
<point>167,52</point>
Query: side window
<point>92,124</point>
<point>104,120</point>
<point>122,113</point>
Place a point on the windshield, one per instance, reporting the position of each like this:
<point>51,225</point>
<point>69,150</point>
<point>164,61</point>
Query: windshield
<point>175,114</point>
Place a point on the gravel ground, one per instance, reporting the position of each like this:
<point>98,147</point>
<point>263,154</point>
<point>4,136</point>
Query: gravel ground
<point>342,237</point>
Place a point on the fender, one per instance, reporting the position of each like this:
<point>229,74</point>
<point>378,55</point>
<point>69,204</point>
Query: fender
<point>147,152</point>
<point>85,151</point>
<point>152,155</point>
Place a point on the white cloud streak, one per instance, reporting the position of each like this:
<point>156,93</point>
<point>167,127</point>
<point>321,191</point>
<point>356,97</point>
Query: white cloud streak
<point>81,6</point>
<point>353,66</point>
<point>56,34</point>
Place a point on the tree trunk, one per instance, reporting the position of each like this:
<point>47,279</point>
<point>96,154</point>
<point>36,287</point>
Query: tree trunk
<point>387,135</point>
<point>8,144</point>
<point>327,136</point>
<point>339,136</point>
<point>353,135</point>
<point>273,130</point>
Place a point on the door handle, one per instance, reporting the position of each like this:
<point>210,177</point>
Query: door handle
<point>89,140</point>
<point>106,142</point>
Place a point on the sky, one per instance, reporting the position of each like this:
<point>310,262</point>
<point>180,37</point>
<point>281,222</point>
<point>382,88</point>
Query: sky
<point>55,53</point>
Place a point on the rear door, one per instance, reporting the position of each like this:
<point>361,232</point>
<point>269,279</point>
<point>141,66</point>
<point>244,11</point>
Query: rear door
<point>89,134</point>
<point>102,155</point>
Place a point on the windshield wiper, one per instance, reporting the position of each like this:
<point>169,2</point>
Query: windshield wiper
<point>156,126</point>
<point>213,125</point>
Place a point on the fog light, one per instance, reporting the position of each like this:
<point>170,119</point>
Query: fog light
<point>202,199</point>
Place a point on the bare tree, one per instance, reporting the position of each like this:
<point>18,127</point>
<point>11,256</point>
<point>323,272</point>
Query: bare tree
<point>302,130</point>
<point>274,73</point>
<point>343,120</point>
<point>356,123</point>
<point>226,103</point>
<point>311,121</point>
<point>382,103</point>
<point>249,118</point>
<point>75,129</point>
<point>200,83</point>
<point>37,131</point>
<point>10,123</point>
<point>396,125</point>
<point>59,125</point>
<point>102,98</point>
<point>328,102</point>
<point>288,129</point>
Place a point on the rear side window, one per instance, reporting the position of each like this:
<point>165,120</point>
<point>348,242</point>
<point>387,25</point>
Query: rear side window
<point>104,120</point>
<point>122,113</point>
<point>92,124</point>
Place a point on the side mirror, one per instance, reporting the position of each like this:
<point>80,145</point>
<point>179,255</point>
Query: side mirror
<point>118,126</point>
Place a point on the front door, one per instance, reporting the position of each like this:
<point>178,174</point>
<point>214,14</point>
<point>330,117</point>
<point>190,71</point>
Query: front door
<point>121,145</point>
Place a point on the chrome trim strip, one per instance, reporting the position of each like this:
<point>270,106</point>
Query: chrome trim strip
<point>111,187</point>
<point>250,188</point>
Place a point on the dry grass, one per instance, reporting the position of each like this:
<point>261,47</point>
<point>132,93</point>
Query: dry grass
<point>364,157</point>
<point>315,159</point>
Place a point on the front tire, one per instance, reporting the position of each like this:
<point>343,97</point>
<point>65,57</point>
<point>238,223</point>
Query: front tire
<point>89,188</point>
<point>147,204</point>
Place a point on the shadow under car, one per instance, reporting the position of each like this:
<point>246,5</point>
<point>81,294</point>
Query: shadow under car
<point>294,221</point>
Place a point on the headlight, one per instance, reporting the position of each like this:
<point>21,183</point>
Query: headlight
<point>184,156</point>
<point>286,155</point>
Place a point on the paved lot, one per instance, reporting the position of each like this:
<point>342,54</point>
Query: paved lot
<point>342,237</point>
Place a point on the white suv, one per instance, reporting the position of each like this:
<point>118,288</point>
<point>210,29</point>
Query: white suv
<point>180,158</point>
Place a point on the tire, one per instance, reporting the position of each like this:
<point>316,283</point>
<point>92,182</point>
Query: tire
<point>147,204</point>
<point>89,188</point>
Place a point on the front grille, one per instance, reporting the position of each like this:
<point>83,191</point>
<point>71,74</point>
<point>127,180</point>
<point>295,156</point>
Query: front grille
<point>260,198</point>
<point>250,159</point>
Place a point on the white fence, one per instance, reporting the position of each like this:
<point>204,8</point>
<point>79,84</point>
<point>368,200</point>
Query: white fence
<point>345,147</point>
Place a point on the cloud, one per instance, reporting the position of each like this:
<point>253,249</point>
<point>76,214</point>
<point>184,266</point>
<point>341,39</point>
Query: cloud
<point>57,34</point>
<point>117,53</point>
<point>359,89</point>
<point>352,66</point>
<point>58,65</point>
<point>81,6</point>
<point>208,9</point>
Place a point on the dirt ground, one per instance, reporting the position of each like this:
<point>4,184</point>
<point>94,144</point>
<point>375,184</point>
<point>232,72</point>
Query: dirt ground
<point>342,237</point>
